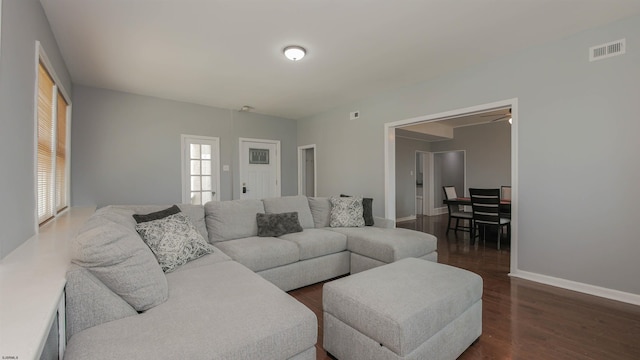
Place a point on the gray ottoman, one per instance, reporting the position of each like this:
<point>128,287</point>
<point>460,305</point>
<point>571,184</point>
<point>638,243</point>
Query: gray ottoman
<point>410,309</point>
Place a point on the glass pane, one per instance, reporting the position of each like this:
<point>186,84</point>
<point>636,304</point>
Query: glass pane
<point>195,167</point>
<point>195,151</point>
<point>196,198</point>
<point>206,151</point>
<point>206,183</point>
<point>206,197</point>
<point>195,183</point>
<point>206,167</point>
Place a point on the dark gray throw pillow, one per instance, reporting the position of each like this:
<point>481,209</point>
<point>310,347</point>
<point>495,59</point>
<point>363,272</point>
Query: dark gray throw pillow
<point>278,224</point>
<point>367,207</point>
<point>140,218</point>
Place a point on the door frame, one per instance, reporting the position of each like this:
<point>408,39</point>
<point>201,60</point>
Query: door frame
<point>390,160</point>
<point>241,168</point>
<point>302,167</point>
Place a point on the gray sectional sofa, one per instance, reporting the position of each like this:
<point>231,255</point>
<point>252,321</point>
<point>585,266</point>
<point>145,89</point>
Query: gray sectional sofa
<point>230,304</point>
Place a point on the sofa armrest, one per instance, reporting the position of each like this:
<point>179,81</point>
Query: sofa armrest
<point>89,302</point>
<point>383,222</point>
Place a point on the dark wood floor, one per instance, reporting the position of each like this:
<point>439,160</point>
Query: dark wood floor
<point>522,319</point>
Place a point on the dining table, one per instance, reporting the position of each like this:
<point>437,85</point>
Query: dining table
<point>466,201</point>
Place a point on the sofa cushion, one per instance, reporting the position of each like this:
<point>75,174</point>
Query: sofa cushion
<point>260,253</point>
<point>156,215</point>
<point>116,255</point>
<point>195,213</point>
<point>227,220</point>
<point>346,212</point>
<point>221,311</point>
<point>313,243</point>
<point>173,239</point>
<point>388,245</point>
<point>278,224</point>
<point>298,203</point>
<point>320,210</point>
<point>215,257</point>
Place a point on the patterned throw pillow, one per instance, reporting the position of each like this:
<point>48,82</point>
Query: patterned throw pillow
<point>367,210</point>
<point>278,224</point>
<point>174,240</point>
<point>346,212</point>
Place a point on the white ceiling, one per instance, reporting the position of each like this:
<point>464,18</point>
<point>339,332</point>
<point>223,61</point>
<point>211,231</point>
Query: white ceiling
<point>425,131</point>
<point>228,53</point>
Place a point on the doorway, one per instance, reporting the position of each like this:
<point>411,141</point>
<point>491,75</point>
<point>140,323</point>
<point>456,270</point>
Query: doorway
<point>307,169</point>
<point>433,171</point>
<point>390,157</point>
<point>259,168</point>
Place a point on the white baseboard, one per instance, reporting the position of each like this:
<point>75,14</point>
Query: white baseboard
<point>438,211</point>
<point>406,218</point>
<point>579,287</point>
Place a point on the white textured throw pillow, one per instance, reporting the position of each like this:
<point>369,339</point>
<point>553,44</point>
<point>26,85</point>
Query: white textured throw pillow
<point>174,240</point>
<point>346,212</point>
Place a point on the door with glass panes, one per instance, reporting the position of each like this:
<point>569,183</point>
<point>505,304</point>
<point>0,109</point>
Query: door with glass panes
<point>200,169</point>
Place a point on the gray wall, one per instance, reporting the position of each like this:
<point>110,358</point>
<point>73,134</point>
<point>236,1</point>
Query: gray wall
<point>448,170</point>
<point>405,181</point>
<point>577,149</point>
<point>488,150</point>
<point>126,147</point>
<point>23,22</point>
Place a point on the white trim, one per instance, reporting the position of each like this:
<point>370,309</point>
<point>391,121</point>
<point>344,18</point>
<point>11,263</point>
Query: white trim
<point>579,287</point>
<point>186,183</point>
<point>439,211</point>
<point>278,162</point>
<point>390,162</point>
<point>406,218</point>
<point>302,166</point>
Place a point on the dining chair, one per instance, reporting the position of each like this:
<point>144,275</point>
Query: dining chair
<point>505,194</point>
<point>485,206</point>
<point>455,212</point>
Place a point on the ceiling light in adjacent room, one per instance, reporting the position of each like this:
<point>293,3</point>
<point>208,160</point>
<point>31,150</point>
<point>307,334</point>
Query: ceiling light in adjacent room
<point>510,120</point>
<point>294,53</point>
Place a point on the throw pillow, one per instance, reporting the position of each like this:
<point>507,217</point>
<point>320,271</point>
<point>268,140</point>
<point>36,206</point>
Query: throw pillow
<point>278,224</point>
<point>367,210</point>
<point>174,240</point>
<point>140,218</point>
<point>346,212</point>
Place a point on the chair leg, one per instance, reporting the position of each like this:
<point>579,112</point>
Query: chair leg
<point>499,236</point>
<point>448,225</point>
<point>457,225</point>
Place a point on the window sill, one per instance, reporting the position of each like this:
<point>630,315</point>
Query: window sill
<point>32,280</point>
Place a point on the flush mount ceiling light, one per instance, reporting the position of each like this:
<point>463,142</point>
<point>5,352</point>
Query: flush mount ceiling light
<point>294,53</point>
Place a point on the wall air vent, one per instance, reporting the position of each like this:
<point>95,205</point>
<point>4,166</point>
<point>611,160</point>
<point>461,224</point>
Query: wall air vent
<point>607,50</point>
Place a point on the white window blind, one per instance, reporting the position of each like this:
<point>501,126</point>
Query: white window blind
<point>52,147</point>
<point>46,89</point>
<point>61,155</point>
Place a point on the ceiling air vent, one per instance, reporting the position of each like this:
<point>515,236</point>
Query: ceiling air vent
<point>607,50</point>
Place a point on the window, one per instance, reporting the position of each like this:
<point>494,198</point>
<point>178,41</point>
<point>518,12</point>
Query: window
<point>52,146</point>
<point>200,164</point>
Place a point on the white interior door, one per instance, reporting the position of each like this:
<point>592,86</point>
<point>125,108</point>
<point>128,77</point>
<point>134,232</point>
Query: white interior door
<point>200,169</point>
<point>259,168</point>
